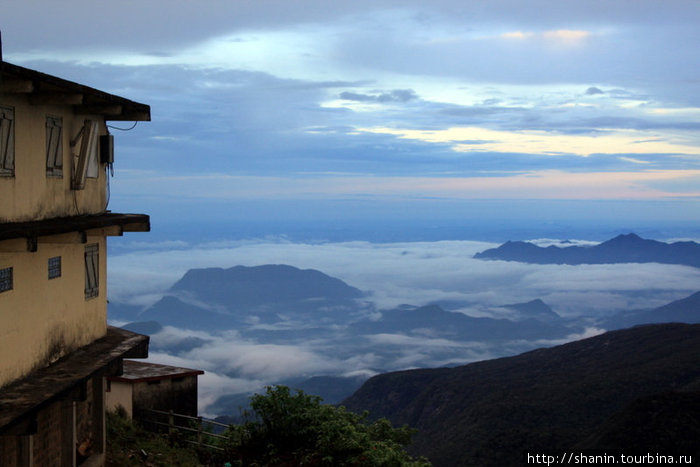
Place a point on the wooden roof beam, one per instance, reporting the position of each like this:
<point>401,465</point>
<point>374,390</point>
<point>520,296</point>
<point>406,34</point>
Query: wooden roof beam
<point>56,99</point>
<point>99,109</point>
<point>131,116</point>
<point>16,86</point>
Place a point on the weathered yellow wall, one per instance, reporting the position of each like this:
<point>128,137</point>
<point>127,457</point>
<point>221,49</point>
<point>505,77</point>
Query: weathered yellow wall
<point>30,194</point>
<point>120,394</point>
<point>41,319</point>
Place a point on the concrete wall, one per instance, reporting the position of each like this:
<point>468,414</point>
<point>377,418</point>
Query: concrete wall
<point>43,319</point>
<point>31,194</point>
<point>120,394</point>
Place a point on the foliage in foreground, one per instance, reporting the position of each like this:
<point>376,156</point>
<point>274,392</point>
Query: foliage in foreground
<point>130,445</point>
<point>283,429</point>
<point>287,429</point>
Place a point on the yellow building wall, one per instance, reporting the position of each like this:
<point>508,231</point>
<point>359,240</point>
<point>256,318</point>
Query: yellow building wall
<point>120,394</point>
<point>43,319</point>
<point>31,194</point>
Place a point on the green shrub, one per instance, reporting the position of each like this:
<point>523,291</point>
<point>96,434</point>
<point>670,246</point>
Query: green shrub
<point>285,429</point>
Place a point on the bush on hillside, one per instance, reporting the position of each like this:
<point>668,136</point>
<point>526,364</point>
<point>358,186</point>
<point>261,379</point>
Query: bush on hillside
<point>286,429</point>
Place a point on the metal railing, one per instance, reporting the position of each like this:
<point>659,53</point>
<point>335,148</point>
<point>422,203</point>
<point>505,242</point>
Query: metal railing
<point>192,425</point>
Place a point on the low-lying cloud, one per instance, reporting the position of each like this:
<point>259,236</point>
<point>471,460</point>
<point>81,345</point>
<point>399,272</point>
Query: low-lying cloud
<point>415,273</point>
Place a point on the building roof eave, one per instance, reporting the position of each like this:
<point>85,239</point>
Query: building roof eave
<point>20,400</point>
<point>42,87</point>
<point>32,230</point>
<point>137,372</point>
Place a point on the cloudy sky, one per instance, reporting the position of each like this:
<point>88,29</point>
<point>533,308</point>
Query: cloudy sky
<point>380,108</point>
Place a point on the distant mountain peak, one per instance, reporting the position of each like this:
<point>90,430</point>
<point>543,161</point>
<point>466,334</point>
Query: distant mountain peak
<point>625,248</point>
<point>535,309</point>
<point>210,298</point>
<point>628,238</point>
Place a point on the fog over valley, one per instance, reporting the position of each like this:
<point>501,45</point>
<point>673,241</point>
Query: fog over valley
<point>381,325</point>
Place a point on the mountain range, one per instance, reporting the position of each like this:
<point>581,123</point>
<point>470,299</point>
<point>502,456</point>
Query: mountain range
<point>458,326</point>
<point>216,298</point>
<point>281,302</point>
<point>583,394</point>
<point>292,308</point>
<point>629,248</point>
<point>685,310</point>
<point>286,306</point>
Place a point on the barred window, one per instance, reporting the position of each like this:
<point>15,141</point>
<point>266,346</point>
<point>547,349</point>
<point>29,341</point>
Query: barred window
<point>92,268</point>
<point>54,146</point>
<point>54,267</point>
<point>5,279</point>
<point>7,141</point>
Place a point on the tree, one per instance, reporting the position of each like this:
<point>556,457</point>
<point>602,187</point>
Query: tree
<point>286,429</point>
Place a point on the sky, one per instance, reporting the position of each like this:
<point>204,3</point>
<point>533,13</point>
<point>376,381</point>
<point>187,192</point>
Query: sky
<point>367,110</point>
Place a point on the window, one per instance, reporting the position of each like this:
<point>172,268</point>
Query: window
<point>92,268</point>
<point>7,141</point>
<point>54,146</point>
<point>86,164</point>
<point>54,267</point>
<point>5,279</point>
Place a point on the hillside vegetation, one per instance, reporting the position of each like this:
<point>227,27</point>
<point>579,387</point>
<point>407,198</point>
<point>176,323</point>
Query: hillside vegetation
<point>491,412</point>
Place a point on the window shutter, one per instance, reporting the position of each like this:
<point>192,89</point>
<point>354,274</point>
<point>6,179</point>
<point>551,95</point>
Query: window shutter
<point>88,144</point>
<point>54,146</point>
<point>7,141</point>
<point>92,284</point>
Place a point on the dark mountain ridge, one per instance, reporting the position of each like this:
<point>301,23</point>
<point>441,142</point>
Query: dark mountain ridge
<point>491,412</point>
<point>629,248</point>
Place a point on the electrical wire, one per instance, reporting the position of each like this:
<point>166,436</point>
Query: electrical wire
<point>124,129</point>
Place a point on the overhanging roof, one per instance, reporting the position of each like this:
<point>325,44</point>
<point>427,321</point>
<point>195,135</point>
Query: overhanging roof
<point>20,400</point>
<point>47,89</point>
<point>59,225</point>
<point>136,372</point>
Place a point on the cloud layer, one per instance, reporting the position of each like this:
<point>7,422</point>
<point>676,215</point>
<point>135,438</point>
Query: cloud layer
<point>415,273</point>
<point>393,274</point>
